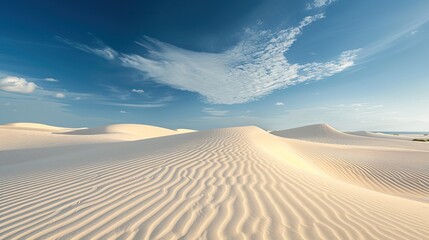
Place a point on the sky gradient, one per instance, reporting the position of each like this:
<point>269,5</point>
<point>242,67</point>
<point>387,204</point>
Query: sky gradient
<point>277,64</point>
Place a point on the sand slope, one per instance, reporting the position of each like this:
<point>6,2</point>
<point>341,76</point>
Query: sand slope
<point>236,183</point>
<point>398,172</point>
<point>35,135</point>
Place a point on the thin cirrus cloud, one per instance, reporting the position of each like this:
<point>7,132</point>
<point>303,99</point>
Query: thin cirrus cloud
<point>251,69</point>
<point>319,3</point>
<point>215,111</point>
<point>51,80</point>
<point>60,95</point>
<point>136,105</point>
<point>140,91</point>
<point>103,51</point>
<point>17,85</point>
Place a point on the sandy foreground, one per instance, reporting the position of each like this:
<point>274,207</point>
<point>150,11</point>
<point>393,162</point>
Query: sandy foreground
<point>131,181</point>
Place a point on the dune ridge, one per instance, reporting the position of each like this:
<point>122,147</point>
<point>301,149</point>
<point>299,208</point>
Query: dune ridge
<point>235,183</point>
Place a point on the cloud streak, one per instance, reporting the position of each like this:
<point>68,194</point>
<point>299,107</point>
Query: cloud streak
<point>319,3</point>
<point>215,112</point>
<point>60,95</point>
<point>51,80</point>
<point>101,51</point>
<point>136,105</point>
<point>140,91</point>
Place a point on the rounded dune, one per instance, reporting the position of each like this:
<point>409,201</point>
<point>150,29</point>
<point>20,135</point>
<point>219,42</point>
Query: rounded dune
<point>315,131</point>
<point>126,131</point>
<point>35,127</point>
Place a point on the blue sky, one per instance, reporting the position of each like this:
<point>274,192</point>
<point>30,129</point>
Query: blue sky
<point>207,64</point>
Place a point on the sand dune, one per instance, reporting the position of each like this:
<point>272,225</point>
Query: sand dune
<point>35,135</point>
<point>375,135</point>
<point>389,136</point>
<point>235,183</point>
<point>35,127</point>
<point>311,132</point>
<point>18,136</point>
<point>324,133</point>
<point>126,131</point>
<point>398,172</point>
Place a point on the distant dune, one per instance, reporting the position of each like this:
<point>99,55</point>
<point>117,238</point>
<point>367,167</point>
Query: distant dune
<point>36,135</point>
<point>232,183</point>
<point>316,131</point>
<point>126,131</point>
<point>324,133</point>
<point>383,135</point>
<point>35,127</point>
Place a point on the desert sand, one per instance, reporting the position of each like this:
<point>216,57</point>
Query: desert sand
<point>35,135</point>
<point>144,182</point>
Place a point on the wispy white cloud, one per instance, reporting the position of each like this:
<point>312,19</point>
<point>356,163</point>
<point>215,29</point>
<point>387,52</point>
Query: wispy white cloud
<point>319,3</point>
<point>280,103</point>
<point>122,111</point>
<point>137,90</point>
<point>135,105</point>
<point>215,111</point>
<point>318,71</point>
<point>253,68</point>
<point>51,80</point>
<point>102,50</point>
<point>389,41</point>
<point>17,85</point>
<point>60,95</point>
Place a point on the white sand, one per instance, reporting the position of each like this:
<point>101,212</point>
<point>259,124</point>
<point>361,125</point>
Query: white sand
<point>235,183</point>
<point>35,135</point>
<point>324,133</point>
<point>127,131</point>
